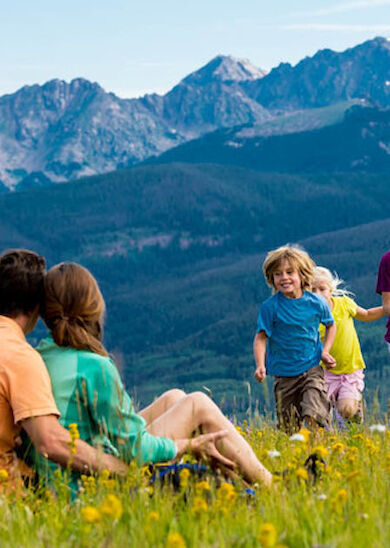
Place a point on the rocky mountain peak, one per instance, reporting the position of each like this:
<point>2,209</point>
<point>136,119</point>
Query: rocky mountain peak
<point>225,68</point>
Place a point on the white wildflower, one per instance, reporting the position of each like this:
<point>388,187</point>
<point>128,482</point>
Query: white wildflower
<point>377,428</point>
<point>273,453</point>
<point>297,437</point>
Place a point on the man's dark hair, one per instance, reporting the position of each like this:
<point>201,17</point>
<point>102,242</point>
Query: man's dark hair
<point>21,281</point>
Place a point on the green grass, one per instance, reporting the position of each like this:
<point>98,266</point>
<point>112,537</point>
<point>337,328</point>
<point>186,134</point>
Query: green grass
<point>347,506</point>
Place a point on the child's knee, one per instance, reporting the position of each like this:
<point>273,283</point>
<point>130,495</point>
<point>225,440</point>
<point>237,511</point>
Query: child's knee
<point>347,408</point>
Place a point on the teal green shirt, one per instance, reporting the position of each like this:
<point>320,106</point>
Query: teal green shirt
<point>88,391</point>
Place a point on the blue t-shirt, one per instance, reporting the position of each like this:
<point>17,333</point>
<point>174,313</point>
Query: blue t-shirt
<point>291,326</point>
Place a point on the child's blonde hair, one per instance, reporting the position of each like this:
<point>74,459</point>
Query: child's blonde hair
<point>324,274</point>
<point>298,259</point>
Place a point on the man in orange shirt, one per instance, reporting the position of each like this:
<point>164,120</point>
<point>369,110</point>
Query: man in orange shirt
<point>26,399</point>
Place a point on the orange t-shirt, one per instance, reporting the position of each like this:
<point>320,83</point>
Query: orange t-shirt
<point>25,388</point>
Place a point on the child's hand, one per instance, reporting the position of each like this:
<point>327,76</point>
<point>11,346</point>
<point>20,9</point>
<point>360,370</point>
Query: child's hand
<point>328,360</point>
<point>260,373</point>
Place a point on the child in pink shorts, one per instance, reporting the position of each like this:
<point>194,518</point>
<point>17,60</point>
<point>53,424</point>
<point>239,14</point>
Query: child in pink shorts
<point>345,381</point>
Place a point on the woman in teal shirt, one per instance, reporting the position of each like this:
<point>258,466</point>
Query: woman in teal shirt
<point>88,390</point>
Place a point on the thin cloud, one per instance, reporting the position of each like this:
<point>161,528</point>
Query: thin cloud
<point>345,7</point>
<point>379,29</point>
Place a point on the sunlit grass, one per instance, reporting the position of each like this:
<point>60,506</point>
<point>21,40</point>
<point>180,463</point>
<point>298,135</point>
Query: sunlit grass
<point>346,505</point>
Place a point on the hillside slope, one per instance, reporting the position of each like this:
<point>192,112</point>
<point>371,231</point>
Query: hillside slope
<point>359,142</point>
<point>178,248</point>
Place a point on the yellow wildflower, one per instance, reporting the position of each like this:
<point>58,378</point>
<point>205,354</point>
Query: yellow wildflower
<point>199,505</point>
<point>112,507</point>
<point>305,433</point>
<point>338,447</point>
<point>184,475</point>
<point>153,516</point>
<point>74,436</point>
<point>175,540</point>
<point>109,484</point>
<point>358,436</point>
<point>320,451</point>
<point>240,430</point>
<point>3,475</point>
<point>90,514</point>
<point>339,500</point>
<point>202,486</point>
<point>267,535</point>
<point>227,492</point>
<point>104,475</point>
<point>301,473</point>
<point>145,472</point>
<point>74,431</point>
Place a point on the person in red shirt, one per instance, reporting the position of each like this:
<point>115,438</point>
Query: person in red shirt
<point>383,288</point>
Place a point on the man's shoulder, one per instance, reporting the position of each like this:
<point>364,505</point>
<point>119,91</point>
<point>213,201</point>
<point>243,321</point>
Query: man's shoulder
<point>385,260</point>
<point>17,353</point>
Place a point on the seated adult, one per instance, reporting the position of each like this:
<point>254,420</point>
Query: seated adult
<point>26,400</point>
<point>88,389</point>
<point>383,288</point>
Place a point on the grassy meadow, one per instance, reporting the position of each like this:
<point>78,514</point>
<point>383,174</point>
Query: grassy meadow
<point>347,505</point>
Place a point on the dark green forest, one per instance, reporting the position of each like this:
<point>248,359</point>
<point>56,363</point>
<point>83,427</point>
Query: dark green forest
<point>178,248</point>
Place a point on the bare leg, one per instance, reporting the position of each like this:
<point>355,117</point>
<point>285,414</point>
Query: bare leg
<point>198,411</point>
<point>162,404</point>
<point>347,407</point>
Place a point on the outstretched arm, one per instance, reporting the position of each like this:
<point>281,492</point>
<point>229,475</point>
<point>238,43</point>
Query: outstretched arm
<point>386,302</point>
<point>259,346</point>
<point>327,359</point>
<point>369,314</point>
<point>53,442</point>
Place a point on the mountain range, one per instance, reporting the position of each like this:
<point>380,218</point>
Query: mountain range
<point>62,131</point>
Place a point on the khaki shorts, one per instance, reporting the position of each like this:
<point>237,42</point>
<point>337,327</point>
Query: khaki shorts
<point>299,397</point>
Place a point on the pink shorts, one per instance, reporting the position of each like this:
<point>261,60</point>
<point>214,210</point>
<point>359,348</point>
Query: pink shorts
<point>349,385</point>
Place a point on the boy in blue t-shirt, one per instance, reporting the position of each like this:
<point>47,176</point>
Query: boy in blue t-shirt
<point>287,342</point>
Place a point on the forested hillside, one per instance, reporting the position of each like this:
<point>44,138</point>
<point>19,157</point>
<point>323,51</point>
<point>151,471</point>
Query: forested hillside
<point>178,250</point>
<point>358,141</point>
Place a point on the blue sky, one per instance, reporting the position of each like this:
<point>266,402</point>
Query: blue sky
<point>132,48</point>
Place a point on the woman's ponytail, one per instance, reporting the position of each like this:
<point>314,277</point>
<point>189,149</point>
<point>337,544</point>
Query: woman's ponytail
<point>73,308</point>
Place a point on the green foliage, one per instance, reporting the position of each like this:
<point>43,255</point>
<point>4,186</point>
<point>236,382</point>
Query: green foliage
<point>178,250</point>
<point>347,504</point>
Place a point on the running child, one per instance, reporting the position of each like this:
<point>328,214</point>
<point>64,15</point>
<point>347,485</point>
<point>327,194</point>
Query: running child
<point>345,382</point>
<point>287,343</point>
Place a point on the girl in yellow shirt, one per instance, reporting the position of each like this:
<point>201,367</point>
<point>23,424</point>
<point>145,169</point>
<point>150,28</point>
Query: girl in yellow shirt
<point>344,382</point>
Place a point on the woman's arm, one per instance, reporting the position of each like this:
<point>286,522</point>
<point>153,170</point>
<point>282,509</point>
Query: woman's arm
<point>370,314</point>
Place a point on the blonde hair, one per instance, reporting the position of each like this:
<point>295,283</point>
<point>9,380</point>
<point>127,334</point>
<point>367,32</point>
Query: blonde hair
<point>73,308</point>
<point>296,257</point>
<point>324,274</point>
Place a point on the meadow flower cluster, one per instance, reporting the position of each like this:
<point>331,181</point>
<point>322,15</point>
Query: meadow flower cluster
<point>330,489</point>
